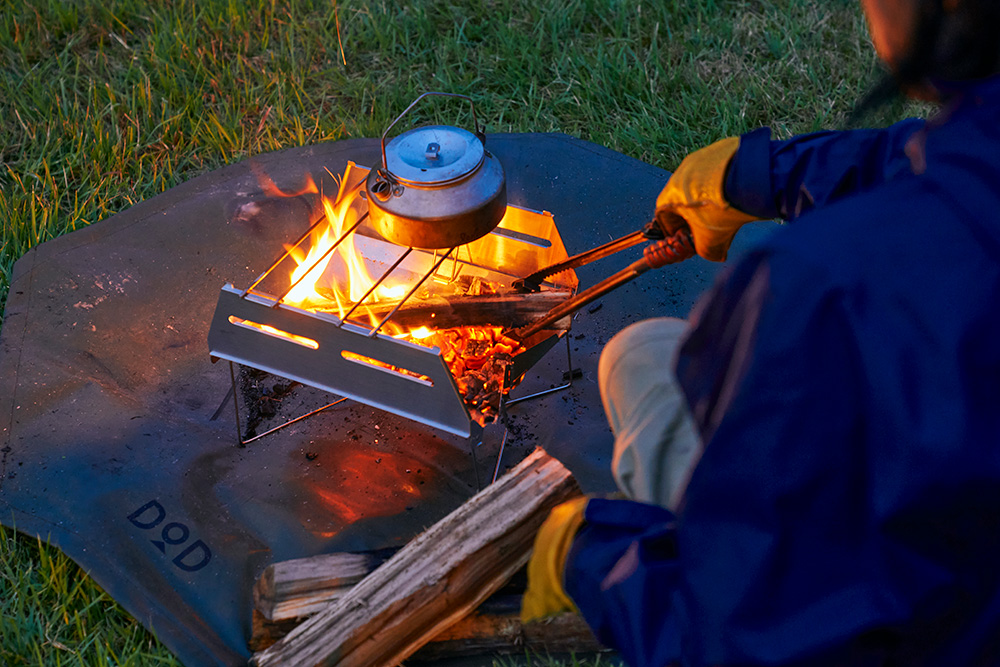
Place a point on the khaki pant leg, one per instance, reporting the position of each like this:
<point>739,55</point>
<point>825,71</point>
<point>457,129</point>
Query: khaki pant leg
<point>656,443</point>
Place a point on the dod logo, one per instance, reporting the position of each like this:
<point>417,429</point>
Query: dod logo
<point>172,537</point>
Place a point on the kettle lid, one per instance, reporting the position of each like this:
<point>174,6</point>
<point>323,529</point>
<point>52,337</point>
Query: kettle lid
<point>434,155</point>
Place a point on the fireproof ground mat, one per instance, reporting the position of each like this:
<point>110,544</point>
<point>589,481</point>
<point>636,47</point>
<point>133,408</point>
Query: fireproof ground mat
<point>114,446</point>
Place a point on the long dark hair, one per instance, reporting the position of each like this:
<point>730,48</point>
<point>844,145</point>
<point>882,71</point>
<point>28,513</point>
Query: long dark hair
<point>966,44</point>
<point>948,46</point>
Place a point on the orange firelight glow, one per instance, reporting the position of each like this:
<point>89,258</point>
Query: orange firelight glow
<point>277,333</point>
<point>363,482</point>
<point>339,289</point>
<point>331,275</point>
<point>339,296</point>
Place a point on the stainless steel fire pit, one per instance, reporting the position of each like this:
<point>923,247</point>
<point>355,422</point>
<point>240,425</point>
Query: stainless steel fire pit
<point>343,354</point>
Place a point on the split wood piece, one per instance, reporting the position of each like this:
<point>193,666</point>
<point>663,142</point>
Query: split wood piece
<point>265,633</point>
<point>484,633</point>
<point>301,587</point>
<point>493,628</point>
<point>435,580</point>
<point>503,310</point>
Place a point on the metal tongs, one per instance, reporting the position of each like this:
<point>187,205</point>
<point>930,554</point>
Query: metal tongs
<point>666,250</point>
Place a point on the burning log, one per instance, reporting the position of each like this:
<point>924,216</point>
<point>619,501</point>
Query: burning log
<point>435,580</point>
<point>509,311</point>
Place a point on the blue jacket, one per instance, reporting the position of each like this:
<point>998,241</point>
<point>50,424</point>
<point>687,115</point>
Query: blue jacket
<point>845,378</point>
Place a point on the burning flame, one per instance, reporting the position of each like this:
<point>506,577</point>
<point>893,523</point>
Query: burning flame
<point>313,263</point>
<point>417,334</point>
<point>331,275</point>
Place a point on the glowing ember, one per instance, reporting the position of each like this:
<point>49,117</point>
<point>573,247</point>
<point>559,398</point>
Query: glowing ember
<point>478,357</point>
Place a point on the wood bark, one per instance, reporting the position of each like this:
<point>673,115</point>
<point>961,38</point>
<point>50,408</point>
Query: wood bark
<point>484,632</point>
<point>436,579</point>
<point>264,633</point>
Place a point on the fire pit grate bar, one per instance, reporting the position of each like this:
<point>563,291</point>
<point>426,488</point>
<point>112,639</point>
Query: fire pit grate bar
<point>295,245</point>
<point>321,258</point>
<point>282,258</point>
<point>375,285</point>
<point>412,291</point>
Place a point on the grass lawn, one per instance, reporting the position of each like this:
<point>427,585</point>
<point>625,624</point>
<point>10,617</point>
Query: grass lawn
<point>104,103</point>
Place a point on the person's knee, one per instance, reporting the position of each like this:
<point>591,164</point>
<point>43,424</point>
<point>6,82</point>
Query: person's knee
<point>637,361</point>
<point>662,334</point>
<point>655,441</point>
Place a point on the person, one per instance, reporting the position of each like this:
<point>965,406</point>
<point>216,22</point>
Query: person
<point>816,479</point>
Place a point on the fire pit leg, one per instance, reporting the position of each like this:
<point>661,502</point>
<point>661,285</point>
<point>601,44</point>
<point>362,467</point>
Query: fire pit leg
<point>475,439</point>
<point>503,441</point>
<point>292,421</point>
<point>236,406</point>
<point>568,376</point>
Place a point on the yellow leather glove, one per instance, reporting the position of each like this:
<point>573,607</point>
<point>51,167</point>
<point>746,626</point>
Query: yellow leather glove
<point>694,197</point>
<point>545,595</point>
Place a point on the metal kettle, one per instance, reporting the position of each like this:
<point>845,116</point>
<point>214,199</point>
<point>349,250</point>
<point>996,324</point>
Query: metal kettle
<point>438,186</point>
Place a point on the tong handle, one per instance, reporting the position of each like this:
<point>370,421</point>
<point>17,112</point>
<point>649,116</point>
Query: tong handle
<point>671,250</point>
<point>532,282</point>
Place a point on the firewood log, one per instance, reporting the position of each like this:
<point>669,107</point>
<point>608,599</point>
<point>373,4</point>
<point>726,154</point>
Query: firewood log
<point>436,579</point>
<point>496,631</point>
<point>494,628</point>
<point>301,587</point>
<point>288,592</point>
<point>510,310</point>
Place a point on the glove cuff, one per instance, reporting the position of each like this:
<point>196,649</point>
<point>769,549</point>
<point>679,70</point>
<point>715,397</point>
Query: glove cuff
<point>717,159</point>
<point>570,515</point>
<point>546,593</point>
<point>695,194</point>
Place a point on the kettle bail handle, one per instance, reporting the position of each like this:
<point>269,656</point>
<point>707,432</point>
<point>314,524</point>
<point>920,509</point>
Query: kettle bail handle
<point>475,123</point>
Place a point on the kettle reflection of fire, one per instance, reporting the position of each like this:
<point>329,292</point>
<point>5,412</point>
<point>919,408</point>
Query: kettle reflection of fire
<point>364,484</point>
